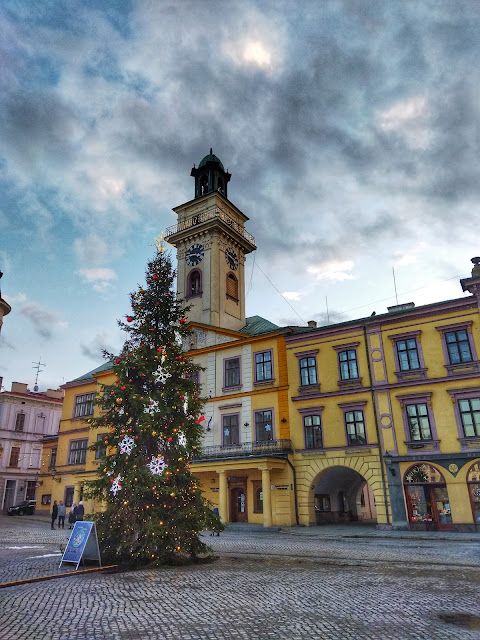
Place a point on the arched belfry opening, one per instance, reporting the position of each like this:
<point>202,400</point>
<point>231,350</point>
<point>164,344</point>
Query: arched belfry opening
<point>210,175</point>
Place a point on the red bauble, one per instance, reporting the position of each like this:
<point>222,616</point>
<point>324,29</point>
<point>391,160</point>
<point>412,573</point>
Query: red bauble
<point>118,360</point>
<point>170,439</point>
<point>159,349</point>
<point>123,388</point>
<point>129,319</point>
<point>155,277</point>
<point>182,320</point>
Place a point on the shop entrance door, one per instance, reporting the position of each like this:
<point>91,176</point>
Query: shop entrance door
<point>427,499</point>
<point>238,504</point>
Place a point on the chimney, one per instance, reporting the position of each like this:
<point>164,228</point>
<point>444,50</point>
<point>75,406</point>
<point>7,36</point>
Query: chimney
<point>19,387</point>
<point>312,324</point>
<point>55,393</point>
<point>407,306</point>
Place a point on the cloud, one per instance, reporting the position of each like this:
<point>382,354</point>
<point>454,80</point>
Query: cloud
<point>90,251</point>
<point>332,271</point>
<point>44,321</point>
<point>99,277</point>
<point>20,297</point>
<point>292,295</point>
<point>94,349</point>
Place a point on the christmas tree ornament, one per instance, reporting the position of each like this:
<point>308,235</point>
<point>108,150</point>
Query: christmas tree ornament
<point>157,465</point>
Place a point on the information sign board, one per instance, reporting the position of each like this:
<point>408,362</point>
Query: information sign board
<point>83,544</point>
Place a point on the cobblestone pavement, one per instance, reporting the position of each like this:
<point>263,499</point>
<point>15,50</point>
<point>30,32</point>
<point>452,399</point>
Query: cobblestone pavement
<point>263,585</point>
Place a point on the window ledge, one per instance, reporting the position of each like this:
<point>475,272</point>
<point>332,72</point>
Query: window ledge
<point>413,445</point>
<point>351,382</point>
<point>359,448</point>
<point>462,367</point>
<point>412,374</point>
<point>236,387</point>
<point>232,298</point>
<point>309,388</point>
<point>194,295</point>
<point>260,383</point>
<point>471,442</point>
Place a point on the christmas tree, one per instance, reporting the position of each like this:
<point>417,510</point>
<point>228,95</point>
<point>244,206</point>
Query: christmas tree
<point>152,420</point>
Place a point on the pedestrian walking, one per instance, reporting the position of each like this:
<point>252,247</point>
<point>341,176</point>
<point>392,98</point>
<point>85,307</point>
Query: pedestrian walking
<point>54,513</point>
<point>80,511</point>
<point>72,515</point>
<point>215,513</point>
<point>62,512</point>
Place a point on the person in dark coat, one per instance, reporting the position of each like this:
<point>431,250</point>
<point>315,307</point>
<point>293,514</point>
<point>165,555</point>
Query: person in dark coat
<point>80,511</point>
<point>54,513</point>
<point>72,515</point>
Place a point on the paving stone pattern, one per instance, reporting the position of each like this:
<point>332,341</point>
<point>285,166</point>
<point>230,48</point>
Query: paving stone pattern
<point>262,586</point>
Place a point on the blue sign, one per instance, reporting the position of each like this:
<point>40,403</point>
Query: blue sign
<point>83,543</point>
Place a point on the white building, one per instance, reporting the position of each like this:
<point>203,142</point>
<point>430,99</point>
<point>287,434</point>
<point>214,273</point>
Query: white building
<point>25,418</point>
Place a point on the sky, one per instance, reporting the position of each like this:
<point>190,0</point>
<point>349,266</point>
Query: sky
<point>350,128</point>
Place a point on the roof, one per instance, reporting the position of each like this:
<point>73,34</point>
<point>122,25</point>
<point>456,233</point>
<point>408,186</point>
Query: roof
<point>210,158</point>
<point>374,318</point>
<point>89,376</point>
<point>33,396</point>
<point>257,325</point>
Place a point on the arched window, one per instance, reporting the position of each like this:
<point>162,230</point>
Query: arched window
<point>194,283</point>
<point>232,287</point>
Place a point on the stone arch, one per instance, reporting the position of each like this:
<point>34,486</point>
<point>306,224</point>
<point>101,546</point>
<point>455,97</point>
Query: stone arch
<point>361,471</point>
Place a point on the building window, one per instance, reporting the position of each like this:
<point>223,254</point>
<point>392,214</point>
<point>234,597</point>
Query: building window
<point>230,429</point>
<point>308,371</point>
<point>312,428</point>
<point>355,426</point>
<point>407,353</point>
<point>458,346</point>
<point>14,457</point>
<point>101,451</point>
<point>257,497</point>
<point>467,415</point>
<point>347,361</point>
<point>263,366</point>
<point>469,410</point>
<point>84,405</point>
<point>20,422</point>
<point>418,422</point>
<point>78,451</point>
<point>69,492</point>
<point>194,283</point>
<point>53,458</point>
<point>263,425</point>
<point>232,287</point>
<point>231,372</point>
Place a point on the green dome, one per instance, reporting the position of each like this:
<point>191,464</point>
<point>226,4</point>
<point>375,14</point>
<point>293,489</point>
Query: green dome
<point>211,158</point>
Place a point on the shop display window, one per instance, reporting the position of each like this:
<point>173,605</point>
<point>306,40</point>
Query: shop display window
<point>427,498</point>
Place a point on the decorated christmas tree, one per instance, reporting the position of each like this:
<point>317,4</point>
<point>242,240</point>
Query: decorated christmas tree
<point>149,430</point>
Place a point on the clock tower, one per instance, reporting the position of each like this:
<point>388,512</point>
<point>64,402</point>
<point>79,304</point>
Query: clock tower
<point>212,243</point>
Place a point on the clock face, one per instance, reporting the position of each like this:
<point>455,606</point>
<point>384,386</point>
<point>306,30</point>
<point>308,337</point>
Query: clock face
<point>194,255</point>
<point>231,258</point>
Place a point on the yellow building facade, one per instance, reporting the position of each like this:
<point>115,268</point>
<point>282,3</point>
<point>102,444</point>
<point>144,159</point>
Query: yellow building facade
<point>373,420</point>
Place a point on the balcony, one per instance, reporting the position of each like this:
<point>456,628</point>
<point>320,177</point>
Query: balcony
<point>211,214</point>
<point>277,448</point>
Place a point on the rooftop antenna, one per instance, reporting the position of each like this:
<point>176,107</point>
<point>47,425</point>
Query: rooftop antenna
<point>395,284</point>
<point>328,315</point>
<point>37,366</point>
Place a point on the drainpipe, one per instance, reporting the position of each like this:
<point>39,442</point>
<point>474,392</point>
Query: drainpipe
<point>377,427</point>
<point>294,488</point>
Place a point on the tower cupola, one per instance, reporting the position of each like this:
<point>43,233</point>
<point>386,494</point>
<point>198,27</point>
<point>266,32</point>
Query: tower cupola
<point>210,176</point>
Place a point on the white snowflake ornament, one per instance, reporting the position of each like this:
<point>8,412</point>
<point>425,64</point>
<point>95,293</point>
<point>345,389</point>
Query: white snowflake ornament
<point>116,485</point>
<point>126,445</point>
<point>152,407</point>
<point>182,440</point>
<point>157,465</point>
<point>161,375</point>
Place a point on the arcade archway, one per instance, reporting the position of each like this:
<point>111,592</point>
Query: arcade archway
<point>342,495</point>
